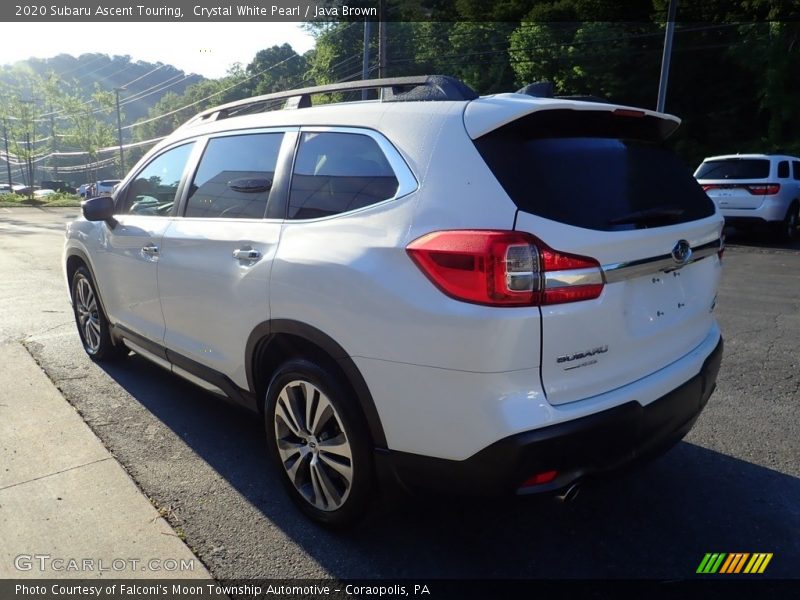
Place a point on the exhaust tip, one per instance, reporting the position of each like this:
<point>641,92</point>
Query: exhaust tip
<point>569,494</point>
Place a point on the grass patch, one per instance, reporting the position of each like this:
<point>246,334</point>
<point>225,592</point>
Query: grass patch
<point>53,200</point>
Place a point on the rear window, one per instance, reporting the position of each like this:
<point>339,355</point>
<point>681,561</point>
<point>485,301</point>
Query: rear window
<point>734,168</point>
<point>600,183</point>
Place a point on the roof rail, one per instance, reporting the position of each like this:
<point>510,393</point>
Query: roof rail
<point>395,89</point>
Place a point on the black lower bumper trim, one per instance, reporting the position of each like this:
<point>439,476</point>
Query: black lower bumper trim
<point>591,445</point>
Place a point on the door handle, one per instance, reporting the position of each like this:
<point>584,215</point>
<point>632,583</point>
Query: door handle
<point>150,250</point>
<point>246,253</point>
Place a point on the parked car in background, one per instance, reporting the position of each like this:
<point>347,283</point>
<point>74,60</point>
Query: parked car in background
<point>755,190</point>
<point>105,187</point>
<point>44,192</point>
<point>14,188</point>
<point>484,295</point>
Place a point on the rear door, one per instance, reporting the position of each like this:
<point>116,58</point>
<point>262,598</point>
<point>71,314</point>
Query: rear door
<point>217,253</point>
<point>604,189</point>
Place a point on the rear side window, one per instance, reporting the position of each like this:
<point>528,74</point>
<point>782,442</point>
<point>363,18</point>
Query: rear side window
<point>783,169</point>
<point>234,178</point>
<point>796,169</point>
<point>338,172</point>
<point>734,168</point>
<point>599,183</point>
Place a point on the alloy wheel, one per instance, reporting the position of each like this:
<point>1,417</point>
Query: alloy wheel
<point>313,445</point>
<point>88,315</point>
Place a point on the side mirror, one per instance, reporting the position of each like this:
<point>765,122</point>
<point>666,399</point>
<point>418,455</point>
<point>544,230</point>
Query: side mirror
<point>100,209</point>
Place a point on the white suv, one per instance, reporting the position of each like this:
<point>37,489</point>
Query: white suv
<point>501,294</point>
<point>755,189</point>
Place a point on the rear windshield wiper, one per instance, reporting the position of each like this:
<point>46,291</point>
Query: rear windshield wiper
<point>650,216</point>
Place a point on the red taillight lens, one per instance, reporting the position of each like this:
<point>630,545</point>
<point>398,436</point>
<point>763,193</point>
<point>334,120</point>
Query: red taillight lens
<point>539,478</point>
<point>504,268</point>
<point>765,189</point>
<point>710,186</point>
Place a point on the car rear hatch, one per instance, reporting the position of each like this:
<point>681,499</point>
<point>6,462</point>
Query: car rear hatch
<point>629,227</point>
<point>735,182</point>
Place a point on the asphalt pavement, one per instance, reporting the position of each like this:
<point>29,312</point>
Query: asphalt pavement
<point>67,507</point>
<point>733,485</point>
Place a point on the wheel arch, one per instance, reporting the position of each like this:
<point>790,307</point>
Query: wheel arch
<point>272,342</point>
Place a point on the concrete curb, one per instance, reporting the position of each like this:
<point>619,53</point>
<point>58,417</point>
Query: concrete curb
<point>67,508</point>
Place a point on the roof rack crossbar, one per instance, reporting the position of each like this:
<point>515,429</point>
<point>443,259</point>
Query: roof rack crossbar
<point>397,89</point>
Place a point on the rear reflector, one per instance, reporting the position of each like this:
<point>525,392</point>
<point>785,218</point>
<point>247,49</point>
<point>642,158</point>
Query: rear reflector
<point>539,478</point>
<point>504,268</point>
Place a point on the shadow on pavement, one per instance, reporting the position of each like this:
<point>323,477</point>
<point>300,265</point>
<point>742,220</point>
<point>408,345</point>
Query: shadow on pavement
<point>756,238</point>
<point>656,522</point>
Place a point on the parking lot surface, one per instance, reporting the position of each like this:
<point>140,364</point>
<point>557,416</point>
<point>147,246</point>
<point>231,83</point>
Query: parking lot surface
<point>733,485</point>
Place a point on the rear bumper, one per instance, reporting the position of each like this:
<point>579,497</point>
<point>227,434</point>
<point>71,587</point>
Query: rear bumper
<point>590,445</point>
<point>771,210</point>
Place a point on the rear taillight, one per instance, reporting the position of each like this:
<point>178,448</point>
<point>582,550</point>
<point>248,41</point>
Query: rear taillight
<point>504,268</point>
<point>757,189</point>
<point>763,189</point>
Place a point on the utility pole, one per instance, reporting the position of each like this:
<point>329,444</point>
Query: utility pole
<point>30,164</point>
<point>365,63</point>
<point>382,39</point>
<point>8,158</point>
<point>55,142</point>
<point>665,58</point>
<point>119,136</point>
<point>29,151</point>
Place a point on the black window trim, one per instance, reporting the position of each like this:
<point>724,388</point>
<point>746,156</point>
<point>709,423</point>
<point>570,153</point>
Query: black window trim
<point>407,182</point>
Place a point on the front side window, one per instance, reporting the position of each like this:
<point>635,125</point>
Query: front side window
<point>152,192</point>
<point>338,172</point>
<point>234,178</point>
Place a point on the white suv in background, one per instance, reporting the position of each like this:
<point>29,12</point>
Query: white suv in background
<point>502,294</point>
<point>755,190</point>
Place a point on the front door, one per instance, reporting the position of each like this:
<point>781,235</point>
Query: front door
<point>129,252</point>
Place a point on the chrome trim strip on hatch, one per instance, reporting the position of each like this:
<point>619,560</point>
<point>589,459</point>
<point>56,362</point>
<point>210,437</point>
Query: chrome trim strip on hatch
<point>622,271</point>
<point>558,279</point>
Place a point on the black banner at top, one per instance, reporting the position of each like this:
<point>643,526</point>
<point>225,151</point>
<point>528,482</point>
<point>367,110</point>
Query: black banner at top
<point>74,11</point>
<point>190,10</point>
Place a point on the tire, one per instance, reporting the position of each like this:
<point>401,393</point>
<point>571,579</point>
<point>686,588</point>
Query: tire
<point>93,326</point>
<point>321,449</point>
<point>790,223</point>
